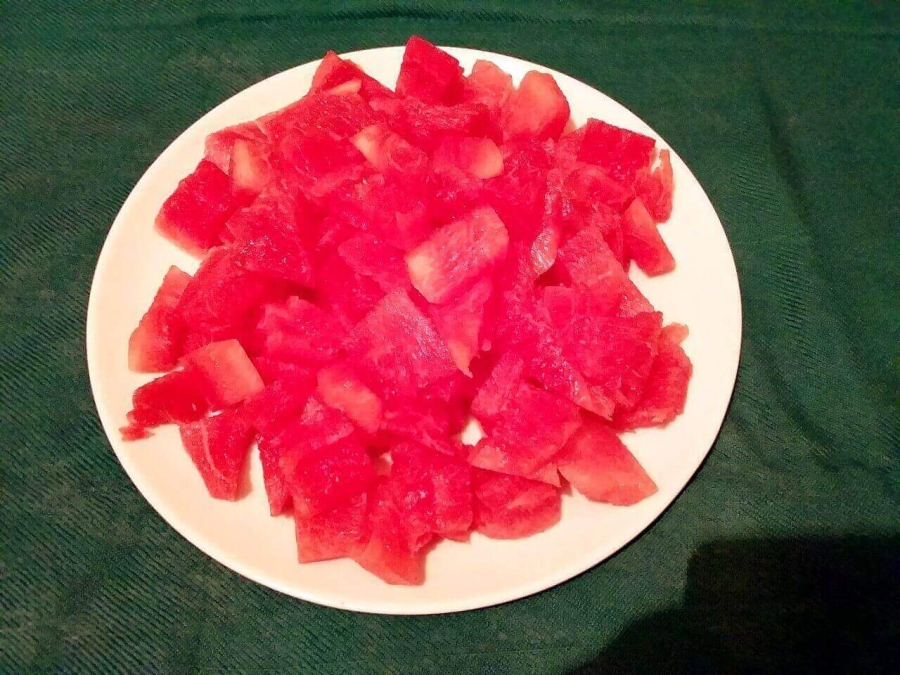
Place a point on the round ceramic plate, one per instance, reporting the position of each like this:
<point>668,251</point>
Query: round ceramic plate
<point>702,293</point>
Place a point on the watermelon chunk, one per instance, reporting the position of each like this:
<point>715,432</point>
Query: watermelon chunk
<point>601,468</point>
<point>537,109</point>
<point>388,553</point>
<point>425,126</point>
<point>428,73</point>
<point>341,389</point>
<point>193,216</point>
<point>518,193</point>
<point>459,322</point>
<point>387,151</point>
<point>338,114</point>
<point>338,533</point>
<point>156,343</point>
<point>512,507</point>
<point>335,71</point>
<point>619,152</point>
<point>665,391</point>
<point>297,330</point>
<point>220,144</point>
<point>327,477</point>
<point>644,244</point>
<point>498,390</point>
<point>527,433</point>
<point>655,188</point>
<point>487,84</point>
<point>587,186</point>
<point>177,397</point>
<point>457,254</point>
<point>369,256</point>
<point>227,373</point>
<point>281,401</point>
<point>219,446</point>
<point>397,344</point>
<point>479,157</point>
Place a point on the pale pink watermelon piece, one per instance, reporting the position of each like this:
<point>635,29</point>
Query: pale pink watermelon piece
<point>655,187</point>
<point>338,533</point>
<point>644,243</point>
<point>327,477</point>
<point>665,391</point>
<point>387,151</point>
<point>219,446</point>
<point>428,73</point>
<point>457,254</point>
<point>341,389</point>
<point>156,343</point>
<point>220,144</point>
<point>193,216</point>
<point>226,371</point>
<point>512,507</point>
<point>537,109</point>
<point>600,467</point>
<point>479,157</point>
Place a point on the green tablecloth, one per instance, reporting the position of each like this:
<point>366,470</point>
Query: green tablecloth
<point>788,115</point>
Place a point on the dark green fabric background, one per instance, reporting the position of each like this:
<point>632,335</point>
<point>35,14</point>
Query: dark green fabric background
<point>788,115</point>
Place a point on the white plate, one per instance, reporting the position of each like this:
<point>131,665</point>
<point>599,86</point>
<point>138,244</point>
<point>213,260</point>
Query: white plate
<point>702,293</point>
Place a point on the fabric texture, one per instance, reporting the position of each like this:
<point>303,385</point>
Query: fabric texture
<point>778,557</point>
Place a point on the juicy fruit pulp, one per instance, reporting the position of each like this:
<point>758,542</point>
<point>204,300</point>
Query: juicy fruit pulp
<point>381,266</point>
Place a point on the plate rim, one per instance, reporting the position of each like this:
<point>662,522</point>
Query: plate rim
<point>223,558</point>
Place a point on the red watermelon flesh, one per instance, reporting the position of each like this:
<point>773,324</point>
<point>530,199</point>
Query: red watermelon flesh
<point>335,71</point>
<point>156,343</point>
<point>518,194</point>
<point>512,507</point>
<point>387,151</point>
<point>428,73</point>
<point>619,152</point>
<point>586,187</point>
<point>459,322</point>
<point>425,126</point>
<point>665,391</point>
<point>655,188</point>
<point>457,254</point>
<point>269,241</point>
<point>601,468</point>
<point>498,390</point>
<point>277,404</point>
<point>487,84</point>
<point>434,489</point>
<point>193,216</point>
<point>338,533</point>
<point>327,477</point>
<point>177,397</point>
<point>340,388</point>
<point>345,292</point>
<point>219,145</point>
<point>226,371</point>
<point>479,157</point>
<point>340,115</point>
<point>318,160</point>
<point>527,433</point>
<point>297,330</point>
<point>277,492</point>
<point>369,256</point>
<point>387,553</point>
<point>643,242</point>
<point>397,343</point>
<point>219,446</point>
<point>536,109</point>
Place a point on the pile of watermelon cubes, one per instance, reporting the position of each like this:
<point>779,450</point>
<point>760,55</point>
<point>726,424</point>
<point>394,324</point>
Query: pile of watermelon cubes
<point>381,269</point>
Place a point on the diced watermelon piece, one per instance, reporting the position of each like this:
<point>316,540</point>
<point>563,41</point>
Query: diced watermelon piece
<point>325,478</point>
<point>479,157</point>
<point>369,256</point>
<point>226,371</point>
<point>459,323</point>
<point>655,188</point>
<point>193,216</point>
<point>319,425</point>
<point>345,292</point>
<point>665,391</point>
<point>220,145</point>
<point>457,254</point>
<point>537,108</point>
<point>269,240</point>
<point>425,126</point>
<point>527,433</point>
<point>338,533</point>
<point>156,343</point>
<point>222,298</point>
<point>601,468</point>
<point>434,490</point>
<point>272,370</point>
<point>341,389</point>
<point>277,492</point>
<point>587,186</point>
<point>518,194</point>
<point>335,71</point>
<point>487,84</point>
<point>219,446</point>
<point>452,193</point>
<point>299,331</point>
<point>428,73</point>
<point>316,156</point>
<point>387,151</point>
<point>511,507</point>
<point>499,390</point>
<point>397,344</point>
<point>388,553</point>
<point>338,114</point>
<point>544,249</point>
<point>176,397</point>
<point>619,152</point>
<point>644,243</point>
<point>279,403</point>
